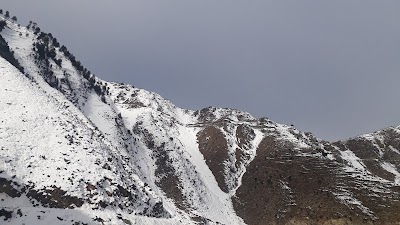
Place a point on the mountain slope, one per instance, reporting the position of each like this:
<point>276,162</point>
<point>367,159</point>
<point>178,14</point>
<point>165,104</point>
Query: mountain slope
<point>75,147</point>
<point>56,154</point>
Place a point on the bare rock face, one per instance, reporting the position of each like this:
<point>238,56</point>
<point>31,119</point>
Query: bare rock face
<point>295,178</point>
<point>350,182</point>
<point>213,146</point>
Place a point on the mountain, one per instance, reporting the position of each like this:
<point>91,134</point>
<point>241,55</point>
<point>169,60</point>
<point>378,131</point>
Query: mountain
<point>79,150</point>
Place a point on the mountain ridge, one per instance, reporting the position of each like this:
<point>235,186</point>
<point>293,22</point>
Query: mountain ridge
<point>135,158</point>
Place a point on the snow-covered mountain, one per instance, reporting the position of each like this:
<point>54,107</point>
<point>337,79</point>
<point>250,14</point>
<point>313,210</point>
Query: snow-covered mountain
<point>75,149</point>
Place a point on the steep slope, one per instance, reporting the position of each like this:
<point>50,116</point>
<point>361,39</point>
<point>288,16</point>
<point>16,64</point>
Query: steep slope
<point>178,166</point>
<point>325,184</point>
<point>75,147</point>
<point>273,173</point>
<point>55,156</point>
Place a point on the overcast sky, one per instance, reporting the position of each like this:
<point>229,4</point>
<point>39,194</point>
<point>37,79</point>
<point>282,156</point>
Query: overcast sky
<point>329,67</point>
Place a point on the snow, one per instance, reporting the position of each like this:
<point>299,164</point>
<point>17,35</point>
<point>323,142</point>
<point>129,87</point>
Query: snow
<point>38,149</point>
<point>285,134</point>
<point>354,163</point>
<point>45,216</point>
<point>392,169</point>
<point>252,152</point>
<point>348,199</point>
<point>164,120</point>
<point>50,141</point>
<point>374,138</point>
<point>64,137</point>
<point>219,205</point>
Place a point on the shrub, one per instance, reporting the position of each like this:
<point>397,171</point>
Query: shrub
<point>41,51</point>
<point>2,25</point>
<point>58,62</point>
<point>67,53</point>
<point>51,53</point>
<point>37,30</point>
<point>46,39</point>
<point>8,55</point>
<point>41,35</point>
<point>55,43</point>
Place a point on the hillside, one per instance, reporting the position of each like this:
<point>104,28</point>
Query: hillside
<point>79,150</point>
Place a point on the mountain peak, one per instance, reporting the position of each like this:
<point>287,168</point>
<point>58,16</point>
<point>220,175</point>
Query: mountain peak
<point>81,150</point>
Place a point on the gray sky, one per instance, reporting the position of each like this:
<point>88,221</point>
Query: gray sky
<point>329,67</point>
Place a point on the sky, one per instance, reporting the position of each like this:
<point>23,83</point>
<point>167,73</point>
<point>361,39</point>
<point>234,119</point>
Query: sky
<point>328,67</point>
